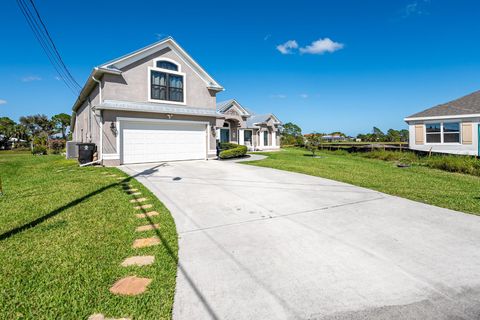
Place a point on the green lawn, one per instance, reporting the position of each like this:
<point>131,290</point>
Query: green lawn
<point>444,189</point>
<point>63,236</point>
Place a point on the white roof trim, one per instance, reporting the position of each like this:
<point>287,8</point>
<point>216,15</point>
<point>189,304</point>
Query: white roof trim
<point>238,106</point>
<point>458,116</point>
<point>157,46</point>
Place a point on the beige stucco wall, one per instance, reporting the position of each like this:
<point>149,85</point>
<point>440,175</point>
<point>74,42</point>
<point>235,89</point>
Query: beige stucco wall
<point>110,138</point>
<point>87,124</point>
<point>132,84</point>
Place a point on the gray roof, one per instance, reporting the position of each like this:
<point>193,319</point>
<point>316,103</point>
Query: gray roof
<point>221,106</point>
<point>469,104</point>
<point>156,108</point>
<point>257,118</point>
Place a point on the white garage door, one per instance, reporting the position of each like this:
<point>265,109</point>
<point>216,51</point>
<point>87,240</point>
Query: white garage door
<point>160,141</point>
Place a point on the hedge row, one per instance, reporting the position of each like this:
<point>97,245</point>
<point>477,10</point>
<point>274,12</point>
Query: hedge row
<point>232,150</point>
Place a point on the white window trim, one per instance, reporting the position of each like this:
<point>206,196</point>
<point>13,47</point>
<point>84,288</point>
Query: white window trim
<point>441,133</point>
<point>149,75</point>
<point>179,66</point>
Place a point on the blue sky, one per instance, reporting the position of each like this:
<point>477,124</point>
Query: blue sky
<point>346,65</point>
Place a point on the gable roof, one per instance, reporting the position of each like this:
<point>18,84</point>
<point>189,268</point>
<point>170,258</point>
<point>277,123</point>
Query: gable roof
<point>139,54</point>
<point>260,118</point>
<point>223,106</point>
<point>467,105</point>
<point>114,67</point>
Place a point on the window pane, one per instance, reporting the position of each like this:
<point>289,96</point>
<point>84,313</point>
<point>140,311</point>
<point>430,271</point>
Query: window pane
<point>433,138</point>
<point>159,78</point>
<point>451,137</point>
<point>451,127</point>
<point>247,136</point>
<point>176,81</point>
<point>167,65</point>
<point>175,94</point>
<point>432,127</point>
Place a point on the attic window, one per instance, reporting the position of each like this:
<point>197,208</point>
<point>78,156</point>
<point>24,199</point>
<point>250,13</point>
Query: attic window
<point>167,65</point>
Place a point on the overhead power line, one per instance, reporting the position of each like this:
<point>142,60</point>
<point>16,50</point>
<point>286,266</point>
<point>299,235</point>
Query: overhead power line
<point>40,31</point>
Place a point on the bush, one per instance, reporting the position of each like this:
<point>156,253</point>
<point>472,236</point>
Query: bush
<point>461,164</point>
<point>232,150</point>
<point>56,145</point>
<point>39,150</point>
<point>404,157</point>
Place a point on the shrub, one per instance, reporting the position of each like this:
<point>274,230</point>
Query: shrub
<point>404,157</point>
<point>56,145</point>
<point>39,150</point>
<point>461,164</point>
<point>232,150</point>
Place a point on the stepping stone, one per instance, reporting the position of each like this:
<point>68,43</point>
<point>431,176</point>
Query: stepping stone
<point>138,261</point>
<point>138,200</point>
<point>130,286</point>
<point>99,316</point>
<point>145,206</point>
<point>134,193</point>
<point>145,242</point>
<point>121,178</point>
<point>131,190</point>
<point>148,227</point>
<point>148,214</point>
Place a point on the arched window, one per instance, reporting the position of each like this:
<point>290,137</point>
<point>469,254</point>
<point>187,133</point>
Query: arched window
<point>166,81</point>
<point>226,125</point>
<point>167,65</point>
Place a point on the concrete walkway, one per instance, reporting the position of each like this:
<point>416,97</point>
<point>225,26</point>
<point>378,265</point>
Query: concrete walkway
<point>258,243</point>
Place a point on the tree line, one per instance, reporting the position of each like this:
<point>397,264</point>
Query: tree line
<point>34,130</point>
<point>291,134</point>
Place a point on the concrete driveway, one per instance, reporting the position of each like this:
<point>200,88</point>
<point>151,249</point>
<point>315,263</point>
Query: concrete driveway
<point>259,243</point>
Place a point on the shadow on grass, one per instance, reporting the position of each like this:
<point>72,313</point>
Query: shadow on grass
<point>75,202</point>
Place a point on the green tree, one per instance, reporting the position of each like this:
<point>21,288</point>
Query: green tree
<point>291,134</point>
<point>7,130</point>
<point>404,134</point>
<point>393,135</point>
<point>378,134</point>
<point>314,140</point>
<point>61,122</point>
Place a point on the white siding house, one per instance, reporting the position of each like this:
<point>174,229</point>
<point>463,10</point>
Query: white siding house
<point>452,127</point>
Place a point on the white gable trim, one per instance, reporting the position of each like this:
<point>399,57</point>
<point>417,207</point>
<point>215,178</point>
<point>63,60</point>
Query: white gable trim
<point>173,45</point>
<point>237,106</point>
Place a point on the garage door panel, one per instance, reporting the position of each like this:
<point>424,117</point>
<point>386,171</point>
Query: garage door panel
<point>155,142</point>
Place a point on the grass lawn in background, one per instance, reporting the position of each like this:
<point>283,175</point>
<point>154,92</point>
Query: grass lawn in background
<point>64,231</point>
<point>444,189</point>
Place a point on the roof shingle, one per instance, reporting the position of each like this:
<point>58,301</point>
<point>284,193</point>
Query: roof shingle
<point>469,104</point>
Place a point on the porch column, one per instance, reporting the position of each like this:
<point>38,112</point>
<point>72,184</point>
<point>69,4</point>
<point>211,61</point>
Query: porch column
<point>241,137</point>
<point>260,138</point>
<point>217,134</point>
<point>274,139</point>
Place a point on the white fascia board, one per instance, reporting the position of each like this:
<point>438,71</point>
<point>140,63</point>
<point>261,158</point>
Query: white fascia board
<point>460,116</point>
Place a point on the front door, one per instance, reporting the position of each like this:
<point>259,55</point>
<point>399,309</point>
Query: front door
<point>265,138</point>
<point>224,135</point>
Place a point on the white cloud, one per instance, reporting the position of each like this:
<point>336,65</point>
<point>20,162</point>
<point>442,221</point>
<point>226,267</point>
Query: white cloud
<point>31,78</point>
<point>267,37</point>
<point>304,96</point>
<point>278,96</point>
<point>57,78</point>
<point>416,8</point>
<point>287,47</point>
<point>159,36</point>
<point>3,101</point>
<point>321,46</point>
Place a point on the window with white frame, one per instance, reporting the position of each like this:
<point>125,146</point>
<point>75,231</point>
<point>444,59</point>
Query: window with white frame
<point>442,132</point>
<point>166,83</point>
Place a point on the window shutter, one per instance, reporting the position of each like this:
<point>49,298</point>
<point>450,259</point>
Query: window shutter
<point>467,133</point>
<point>419,133</point>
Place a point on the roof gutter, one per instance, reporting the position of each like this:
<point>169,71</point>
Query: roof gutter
<point>458,116</point>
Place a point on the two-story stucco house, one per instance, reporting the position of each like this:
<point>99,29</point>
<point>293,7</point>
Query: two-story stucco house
<point>158,104</point>
<point>452,127</point>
